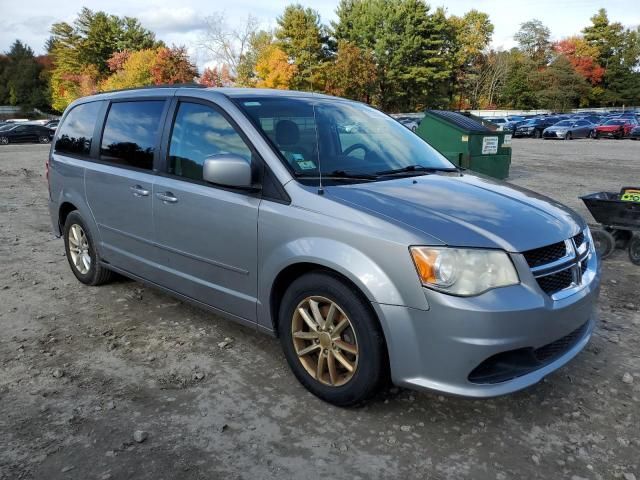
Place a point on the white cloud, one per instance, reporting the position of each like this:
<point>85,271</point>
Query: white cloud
<point>172,20</point>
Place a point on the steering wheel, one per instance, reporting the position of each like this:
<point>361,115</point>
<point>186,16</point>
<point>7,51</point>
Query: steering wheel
<point>356,146</point>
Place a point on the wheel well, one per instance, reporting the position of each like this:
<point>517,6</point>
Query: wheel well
<point>65,209</point>
<point>287,276</point>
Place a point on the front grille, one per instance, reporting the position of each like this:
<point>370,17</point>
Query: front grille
<point>579,239</point>
<point>556,349</point>
<point>583,266</point>
<point>543,255</point>
<point>555,282</point>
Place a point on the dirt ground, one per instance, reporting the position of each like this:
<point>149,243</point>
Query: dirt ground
<point>83,368</point>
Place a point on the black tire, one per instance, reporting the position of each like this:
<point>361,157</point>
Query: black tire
<point>4,140</point>
<point>44,139</point>
<point>595,135</point>
<point>372,365</point>
<point>634,250</point>
<point>537,134</point>
<point>568,136</point>
<point>621,237</point>
<point>96,274</point>
<point>604,243</point>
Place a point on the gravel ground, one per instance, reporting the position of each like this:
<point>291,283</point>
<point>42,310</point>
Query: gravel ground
<point>122,381</point>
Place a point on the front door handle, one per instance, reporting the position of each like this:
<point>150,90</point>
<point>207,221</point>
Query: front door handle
<point>167,197</point>
<point>138,191</point>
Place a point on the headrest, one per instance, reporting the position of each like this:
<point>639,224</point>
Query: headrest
<point>287,133</point>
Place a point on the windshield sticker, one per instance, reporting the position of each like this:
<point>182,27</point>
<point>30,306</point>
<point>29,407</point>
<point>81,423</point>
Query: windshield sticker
<point>306,165</point>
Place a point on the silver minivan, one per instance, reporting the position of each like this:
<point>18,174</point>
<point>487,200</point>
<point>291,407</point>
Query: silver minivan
<point>328,224</point>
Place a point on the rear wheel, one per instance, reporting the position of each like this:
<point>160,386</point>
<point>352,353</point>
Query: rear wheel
<point>603,242</point>
<point>634,250</point>
<point>43,139</point>
<point>595,135</point>
<point>81,252</point>
<point>568,136</point>
<point>331,339</point>
<point>537,134</point>
<point>4,140</point>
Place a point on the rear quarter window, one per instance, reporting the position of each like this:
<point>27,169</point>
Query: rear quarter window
<point>76,131</point>
<point>131,133</point>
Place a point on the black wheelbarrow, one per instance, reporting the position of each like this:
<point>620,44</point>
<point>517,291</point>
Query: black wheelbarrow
<point>619,216</point>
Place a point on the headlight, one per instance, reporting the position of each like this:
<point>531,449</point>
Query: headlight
<point>463,271</point>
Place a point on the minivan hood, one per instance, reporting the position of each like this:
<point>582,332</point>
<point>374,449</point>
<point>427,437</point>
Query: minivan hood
<point>465,210</point>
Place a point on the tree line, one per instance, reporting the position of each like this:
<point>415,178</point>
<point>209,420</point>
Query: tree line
<point>399,55</point>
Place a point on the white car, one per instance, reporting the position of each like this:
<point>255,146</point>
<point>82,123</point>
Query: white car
<point>498,121</point>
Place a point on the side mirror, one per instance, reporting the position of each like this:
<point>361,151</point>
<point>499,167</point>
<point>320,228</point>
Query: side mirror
<point>228,170</point>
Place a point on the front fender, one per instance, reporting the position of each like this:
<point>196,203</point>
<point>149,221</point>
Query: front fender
<point>353,264</point>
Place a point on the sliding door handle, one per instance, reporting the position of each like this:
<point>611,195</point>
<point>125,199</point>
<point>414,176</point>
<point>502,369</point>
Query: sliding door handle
<point>167,197</point>
<point>138,191</point>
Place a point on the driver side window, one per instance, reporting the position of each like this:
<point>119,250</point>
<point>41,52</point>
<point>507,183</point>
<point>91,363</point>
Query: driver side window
<point>200,131</point>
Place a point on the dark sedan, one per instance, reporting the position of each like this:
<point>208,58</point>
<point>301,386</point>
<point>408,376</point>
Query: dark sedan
<point>533,127</point>
<point>20,133</point>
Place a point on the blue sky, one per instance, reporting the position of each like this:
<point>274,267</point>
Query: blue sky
<point>30,21</point>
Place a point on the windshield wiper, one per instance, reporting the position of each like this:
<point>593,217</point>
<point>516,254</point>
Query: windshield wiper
<point>416,168</point>
<point>340,174</point>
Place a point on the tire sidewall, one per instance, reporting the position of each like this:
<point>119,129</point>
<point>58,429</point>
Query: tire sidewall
<point>371,352</point>
<point>90,277</point>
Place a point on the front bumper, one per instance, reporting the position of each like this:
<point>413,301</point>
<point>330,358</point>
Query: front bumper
<point>438,349</point>
<point>553,134</point>
<point>524,133</point>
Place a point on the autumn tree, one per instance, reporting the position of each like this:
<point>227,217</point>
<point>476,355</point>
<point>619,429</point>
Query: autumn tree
<point>210,77</point>
<point>258,42</point>
<point>149,67</point>
<point>81,50</point>
<point>273,69</point>
<point>172,65</point>
<point>352,73</point>
<point>471,34</point>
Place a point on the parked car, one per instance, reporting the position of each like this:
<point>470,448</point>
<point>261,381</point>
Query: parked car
<point>24,133</point>
<point>635,133</point>
<point>411,123</point>
<point>368,253</point>
<point>569,129</point>
<point>498,121</point>
<point>533,127</point>
<point>52,124</point>
<point>615,128</point>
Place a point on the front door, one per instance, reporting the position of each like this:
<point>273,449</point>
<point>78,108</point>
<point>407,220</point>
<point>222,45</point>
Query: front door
<point>207,234</point>
<point>119,187</point>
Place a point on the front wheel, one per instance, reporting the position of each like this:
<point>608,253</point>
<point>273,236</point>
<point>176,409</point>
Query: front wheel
<point>568,136</point>
<point>4,141</point>
<point>81,252</point>
<point>44,139</point>
<point>537,134</point>
<point>331,339</point>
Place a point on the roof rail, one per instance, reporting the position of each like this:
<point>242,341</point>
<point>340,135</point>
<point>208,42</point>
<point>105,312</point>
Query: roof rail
<point>149,87</point>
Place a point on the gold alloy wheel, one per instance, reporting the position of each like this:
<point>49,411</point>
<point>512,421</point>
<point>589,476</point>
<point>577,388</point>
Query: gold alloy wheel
<point>324,341</point>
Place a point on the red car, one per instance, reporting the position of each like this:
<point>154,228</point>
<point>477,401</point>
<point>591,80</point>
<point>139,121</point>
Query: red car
<point>615,128</point>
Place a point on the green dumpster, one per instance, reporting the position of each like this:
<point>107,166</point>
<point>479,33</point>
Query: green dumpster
<point>467,143</point>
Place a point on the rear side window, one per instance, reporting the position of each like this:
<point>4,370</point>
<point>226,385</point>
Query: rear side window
<point>131,133</point>
<point>199,132</point>
<point>76,131</point>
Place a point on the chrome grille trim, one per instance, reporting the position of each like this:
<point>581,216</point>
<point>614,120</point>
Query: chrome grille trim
<point>576,259</point>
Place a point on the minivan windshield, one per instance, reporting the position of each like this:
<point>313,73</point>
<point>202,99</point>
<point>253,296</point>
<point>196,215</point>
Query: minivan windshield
<point>341,139</point>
